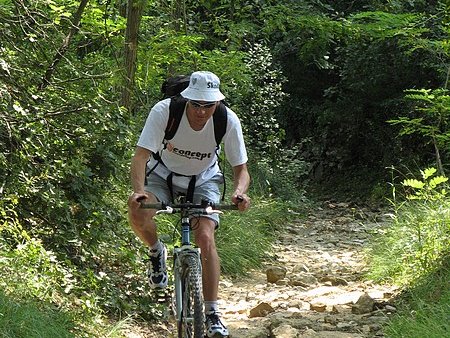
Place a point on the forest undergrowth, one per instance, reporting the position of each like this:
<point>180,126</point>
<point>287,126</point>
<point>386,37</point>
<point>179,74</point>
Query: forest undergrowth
<point>414,253</point>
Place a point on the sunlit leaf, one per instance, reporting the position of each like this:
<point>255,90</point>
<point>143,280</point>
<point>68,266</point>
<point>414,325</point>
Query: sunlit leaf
<point>413,183</point>
<point>435,181</point>
<point>428,173</point>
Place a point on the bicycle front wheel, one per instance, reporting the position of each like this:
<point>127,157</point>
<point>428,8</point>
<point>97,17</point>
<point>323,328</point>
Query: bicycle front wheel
<point>191,321</point>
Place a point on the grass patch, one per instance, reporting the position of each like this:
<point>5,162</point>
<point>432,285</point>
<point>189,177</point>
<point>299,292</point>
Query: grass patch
<point>37,298</point>
<point>425,308</point>
<point>412,245</point>
<point>29,319</point>
<point>244,239</point>
<point>414,253</point>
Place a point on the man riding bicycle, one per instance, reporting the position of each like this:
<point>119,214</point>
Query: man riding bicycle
<point>188,164</point>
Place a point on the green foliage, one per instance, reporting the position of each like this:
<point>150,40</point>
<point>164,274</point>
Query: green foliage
<point>419,237</point>
<point>33,284</point>
<point>108,279</point>
<point>433,107</point>
<point>296,31</point>
<point>23,319</point>
<point>424,307</point>
<point>383,25</point>
<point>284,176</point>
<point>347,76</point>
<point>243,239</point>
<point>430,118</point>
<point>264,94</point>
<point>413,252</point>
<point>426,190</point>
<point>64,153</point>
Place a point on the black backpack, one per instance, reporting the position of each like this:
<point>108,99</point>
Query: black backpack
<point>171,88</point>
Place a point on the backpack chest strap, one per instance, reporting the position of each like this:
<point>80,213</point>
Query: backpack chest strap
<point>190,190</point>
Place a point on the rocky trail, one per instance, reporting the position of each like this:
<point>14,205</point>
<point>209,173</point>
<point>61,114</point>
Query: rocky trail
<point>313,287</point>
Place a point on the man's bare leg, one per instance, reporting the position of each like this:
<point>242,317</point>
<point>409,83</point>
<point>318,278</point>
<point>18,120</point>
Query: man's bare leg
<point>204,238</point>
<point>142,222</point>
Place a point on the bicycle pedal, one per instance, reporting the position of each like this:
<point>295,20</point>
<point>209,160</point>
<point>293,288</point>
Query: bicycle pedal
<point>161,296</point>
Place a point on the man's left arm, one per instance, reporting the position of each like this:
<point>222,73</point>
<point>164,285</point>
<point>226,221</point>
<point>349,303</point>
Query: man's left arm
<point>241,179</point>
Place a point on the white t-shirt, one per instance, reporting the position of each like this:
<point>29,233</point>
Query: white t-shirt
<point>190,152</point>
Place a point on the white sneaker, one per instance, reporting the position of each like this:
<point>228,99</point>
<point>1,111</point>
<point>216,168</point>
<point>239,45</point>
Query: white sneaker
<point>157,271</point>
<point>214,327</point>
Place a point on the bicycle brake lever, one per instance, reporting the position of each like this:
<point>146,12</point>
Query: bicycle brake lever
<point>209,211</point>
<point>167,210</point>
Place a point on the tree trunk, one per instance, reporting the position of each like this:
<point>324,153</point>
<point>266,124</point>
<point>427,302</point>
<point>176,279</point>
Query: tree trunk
<point>440,167</point>
<point>179,16</point>
<point>75,22</point>
<point>134,12</point>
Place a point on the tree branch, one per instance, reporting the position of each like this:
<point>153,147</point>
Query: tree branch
<point>65,45</point>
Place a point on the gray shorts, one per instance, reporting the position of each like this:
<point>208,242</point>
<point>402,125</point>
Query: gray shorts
<point>209,191</point>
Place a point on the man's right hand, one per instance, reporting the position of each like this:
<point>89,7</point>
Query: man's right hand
<point>135,199</point>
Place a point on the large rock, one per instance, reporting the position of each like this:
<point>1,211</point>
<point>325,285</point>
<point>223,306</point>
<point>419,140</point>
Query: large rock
<point>250,332</point>
<point>318,307</point>
<point>304,280</point>
<point>364,304</point>
<point>275,273</point>
<point>334,281</point>
<point>285,331</point>
<point>261,310</point>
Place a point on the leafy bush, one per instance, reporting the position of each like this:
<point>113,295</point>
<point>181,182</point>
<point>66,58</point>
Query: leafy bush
<point>429,120</point>
<point>414,252</point>
<point>419,236</point>
<point>264,94</point>
<point>284,177</point>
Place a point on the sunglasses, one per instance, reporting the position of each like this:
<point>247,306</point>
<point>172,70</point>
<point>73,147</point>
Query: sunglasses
<point>207,105</point>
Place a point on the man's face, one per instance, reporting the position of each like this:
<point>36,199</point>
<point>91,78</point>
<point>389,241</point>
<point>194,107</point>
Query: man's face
<point>201,111</point>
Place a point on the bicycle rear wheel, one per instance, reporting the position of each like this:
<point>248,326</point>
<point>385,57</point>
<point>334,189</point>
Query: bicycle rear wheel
<point>191,322</point>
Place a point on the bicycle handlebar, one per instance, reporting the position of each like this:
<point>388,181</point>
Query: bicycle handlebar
<point>203,209</point>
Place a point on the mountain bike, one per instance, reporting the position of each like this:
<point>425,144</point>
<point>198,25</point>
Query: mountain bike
<point>187,268</point>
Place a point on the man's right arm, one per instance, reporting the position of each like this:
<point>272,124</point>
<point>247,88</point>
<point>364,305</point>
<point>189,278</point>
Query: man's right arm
<point>138,168</point>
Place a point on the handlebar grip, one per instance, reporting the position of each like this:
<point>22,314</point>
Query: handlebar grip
<point>157,206</point>
<point>225,207</point>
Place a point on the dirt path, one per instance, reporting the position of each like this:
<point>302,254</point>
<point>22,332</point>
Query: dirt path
<point>316,287</point>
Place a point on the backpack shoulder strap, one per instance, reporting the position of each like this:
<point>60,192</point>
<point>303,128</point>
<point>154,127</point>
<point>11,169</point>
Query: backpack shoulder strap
<point>220,119</point>
<point>176,110</point>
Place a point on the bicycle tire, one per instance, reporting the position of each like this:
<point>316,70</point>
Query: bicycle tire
<point>191,323</point>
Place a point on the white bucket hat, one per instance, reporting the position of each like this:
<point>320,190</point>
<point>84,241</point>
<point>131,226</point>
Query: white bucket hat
<point>203,86</point>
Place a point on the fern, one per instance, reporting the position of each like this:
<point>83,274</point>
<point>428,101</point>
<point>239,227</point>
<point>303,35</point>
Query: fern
<point>426,189</point>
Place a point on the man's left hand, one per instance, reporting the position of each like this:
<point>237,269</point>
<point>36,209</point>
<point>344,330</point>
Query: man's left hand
<point>241,200</point>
